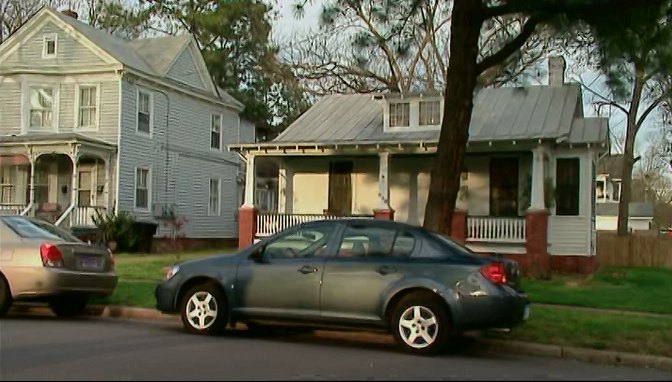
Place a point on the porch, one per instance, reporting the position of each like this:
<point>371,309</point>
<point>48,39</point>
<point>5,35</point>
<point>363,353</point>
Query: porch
<point>63,181</point>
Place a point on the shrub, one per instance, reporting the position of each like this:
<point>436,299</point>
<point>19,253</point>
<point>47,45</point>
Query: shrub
<point>117,230</point>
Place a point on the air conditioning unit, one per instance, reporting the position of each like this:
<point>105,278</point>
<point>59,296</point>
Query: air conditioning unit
<point>164,210</point>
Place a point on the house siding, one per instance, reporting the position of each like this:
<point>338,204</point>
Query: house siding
<point>10,106</point>
<point>184,70</point>
<point>69,51</point>
<point>12,102</point>
<point>181,178</point>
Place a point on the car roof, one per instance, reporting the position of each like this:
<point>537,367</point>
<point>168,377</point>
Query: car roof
<point>367,222</point>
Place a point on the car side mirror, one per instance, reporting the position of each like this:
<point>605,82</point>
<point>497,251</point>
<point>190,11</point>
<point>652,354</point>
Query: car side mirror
<point>257,255</point>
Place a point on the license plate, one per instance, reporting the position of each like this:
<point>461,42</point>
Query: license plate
<point>526,313</point>
<point>90,263</point>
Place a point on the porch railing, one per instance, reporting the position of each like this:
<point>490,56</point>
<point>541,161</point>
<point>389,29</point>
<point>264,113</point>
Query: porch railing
<point>269,223</point>
<point>12,208</point>
<point>495,229</point>
<point>83,216</point>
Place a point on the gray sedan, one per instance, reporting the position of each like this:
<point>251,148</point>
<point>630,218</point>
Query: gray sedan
<point>350,273</point>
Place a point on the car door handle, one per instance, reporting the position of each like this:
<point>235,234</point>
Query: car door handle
<point>384,270</point>
<point>306,269</point>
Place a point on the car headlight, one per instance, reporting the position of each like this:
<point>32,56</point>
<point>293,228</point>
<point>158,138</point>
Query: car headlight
<point>172,271</point>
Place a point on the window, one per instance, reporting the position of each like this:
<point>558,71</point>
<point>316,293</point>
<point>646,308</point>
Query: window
<point>303,242</point>
<point>143,185</point>
<point>85,182</point>
<point>144,112</point>
<point>215,131</point>
<point>49,45</point>
<point>41,113</point>
<point>364,241</point>
<point>430,113</point>
<point>600,190</point>
<point>88,102</point>
<point>215,193</point>
<point>37,229</point>
<point>6,186</point>
<point>399,114</point>
<point>616,190</point>
<point>504,186</point>
<point>567,186</point>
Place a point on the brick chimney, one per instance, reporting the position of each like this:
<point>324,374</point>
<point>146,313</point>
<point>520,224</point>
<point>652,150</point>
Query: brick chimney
<point>71,13</point>
<point>556,71</point>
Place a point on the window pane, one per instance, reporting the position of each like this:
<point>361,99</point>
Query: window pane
<point>567,186</point>
<point>143,103</point>
<point>403,245</point>
<point>141,198</point>
<point>367,242</point>
<point>143,122</point>
<point>430,113</point>
<point>41,98</point>
<point>51,46</point>
<point>399,114</point>
<point>214,140</point>
<point>216,122</point>
<point>303,242</point>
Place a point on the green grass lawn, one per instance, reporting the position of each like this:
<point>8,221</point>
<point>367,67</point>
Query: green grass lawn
<point>604,331</point>
<point>637,289</point>
<point>140,273</point>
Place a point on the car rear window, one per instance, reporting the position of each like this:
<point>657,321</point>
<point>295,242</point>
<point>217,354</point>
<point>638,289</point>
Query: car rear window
<point>36,229</point>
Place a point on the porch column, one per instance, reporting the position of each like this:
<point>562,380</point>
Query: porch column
<point>108,181</point>
<point>537,260</point>
<point>458,226</point>
<point>247,214</point>
<point>384,210</point>
<point>74,155</point>
<point>285,188</point>
<point>31,196</point>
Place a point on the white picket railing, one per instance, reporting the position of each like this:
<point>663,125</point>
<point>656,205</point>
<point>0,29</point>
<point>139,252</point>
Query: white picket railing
<point>271,223</point>
<point>12,209</point>
<point>496,230</point>
<point>83,215</point>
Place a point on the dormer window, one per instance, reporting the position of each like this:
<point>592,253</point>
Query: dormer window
<point>430,113</point>
<point>399,114</point>
<point>49,45</point>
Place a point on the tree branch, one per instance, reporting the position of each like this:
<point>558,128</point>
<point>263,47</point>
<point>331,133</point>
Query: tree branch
<point>510,47</point>
<point>606,100</point>
<point>650,108</point>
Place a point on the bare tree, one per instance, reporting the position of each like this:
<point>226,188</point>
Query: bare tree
<point>370,46</point>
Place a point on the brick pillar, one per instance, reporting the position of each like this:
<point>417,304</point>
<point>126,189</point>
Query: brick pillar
<point>537,260</point>
<point>383,214</point>
<point>247,226</point>
<point>458,226</point>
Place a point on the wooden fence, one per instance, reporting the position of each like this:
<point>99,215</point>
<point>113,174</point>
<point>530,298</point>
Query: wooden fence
<point>634,250</point>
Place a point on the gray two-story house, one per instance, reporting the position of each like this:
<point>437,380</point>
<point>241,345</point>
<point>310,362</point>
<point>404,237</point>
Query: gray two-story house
<point>89,121</point>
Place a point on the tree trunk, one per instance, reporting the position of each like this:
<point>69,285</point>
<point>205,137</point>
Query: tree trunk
<point>458,104</point>
<point>628,155</point>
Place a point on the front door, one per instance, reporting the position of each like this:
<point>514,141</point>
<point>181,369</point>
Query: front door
<point>340,188</point>
<point>86,186</point>
<point>285,281</point>
<point>504,187</point>
<point>370,261</point>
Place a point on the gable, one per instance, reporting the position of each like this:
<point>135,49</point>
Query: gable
<point>184,70</point>
<point>70,49</point>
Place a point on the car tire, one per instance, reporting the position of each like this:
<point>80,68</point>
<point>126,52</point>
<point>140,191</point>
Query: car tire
<point>68,306</point>
<point>420,324</point>
<point>204,310</point>
<point>5,296</point>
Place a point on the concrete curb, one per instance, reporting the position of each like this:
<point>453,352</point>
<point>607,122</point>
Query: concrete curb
<point>488,346</point>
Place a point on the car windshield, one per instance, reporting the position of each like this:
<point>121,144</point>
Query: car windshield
<point>37,229</point>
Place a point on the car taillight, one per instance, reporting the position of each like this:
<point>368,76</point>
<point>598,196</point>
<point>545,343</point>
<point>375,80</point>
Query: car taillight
<point>494,272</point>
<point>51,256</point>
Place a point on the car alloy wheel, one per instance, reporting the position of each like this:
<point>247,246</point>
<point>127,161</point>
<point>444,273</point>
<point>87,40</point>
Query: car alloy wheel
<point>201,310</point>
<point>421,323</point>
<point>204,310</point>
<point>418,327</point>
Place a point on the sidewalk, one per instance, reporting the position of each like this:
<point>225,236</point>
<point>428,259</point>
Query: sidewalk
<point>475,345</point>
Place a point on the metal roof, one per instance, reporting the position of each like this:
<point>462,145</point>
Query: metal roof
<point>522,113</point>
<point>636,209</point>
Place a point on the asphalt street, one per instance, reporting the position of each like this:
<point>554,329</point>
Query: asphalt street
<point>48,348</point>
